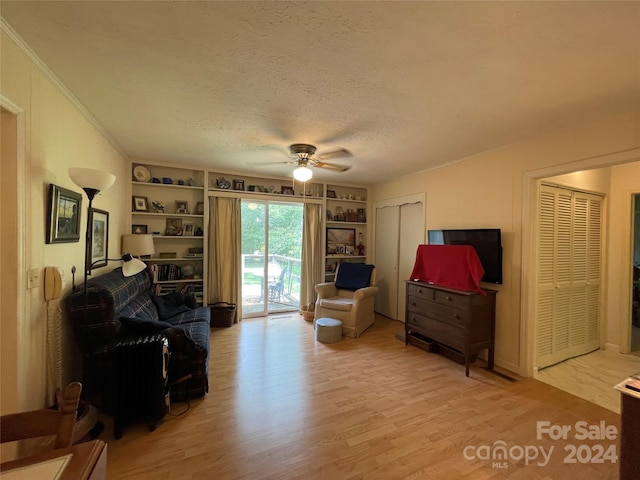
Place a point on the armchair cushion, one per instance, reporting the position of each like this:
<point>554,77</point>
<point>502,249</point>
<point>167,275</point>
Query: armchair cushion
<point>352,276</point>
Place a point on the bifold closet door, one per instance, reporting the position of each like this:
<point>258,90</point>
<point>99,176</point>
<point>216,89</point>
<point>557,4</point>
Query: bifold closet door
<point>569,261</point>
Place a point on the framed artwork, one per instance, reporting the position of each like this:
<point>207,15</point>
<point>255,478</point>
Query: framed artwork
<point>99,221</point>
<point>138,229</point>
<point>64,215</point>
<point>238,184</point>
<point>200,208</point>
<point>174,227</point>
<point>182,206</point>
<point>140,204</point>
<point>188,229</point>
<point>341,240</point>
<point>287,190</point>
<point>331,194</point>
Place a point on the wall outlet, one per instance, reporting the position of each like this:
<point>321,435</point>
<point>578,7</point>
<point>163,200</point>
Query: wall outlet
<point>33,278</point>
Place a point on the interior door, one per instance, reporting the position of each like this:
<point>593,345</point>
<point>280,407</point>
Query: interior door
<point>386,251</point>
<point>411,235</point>
<point>569,264</point>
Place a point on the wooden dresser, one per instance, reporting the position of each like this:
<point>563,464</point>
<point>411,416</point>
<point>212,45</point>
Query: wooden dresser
<point>462,323</point>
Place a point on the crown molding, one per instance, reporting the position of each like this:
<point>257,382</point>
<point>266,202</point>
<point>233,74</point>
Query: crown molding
<point>49,75</point>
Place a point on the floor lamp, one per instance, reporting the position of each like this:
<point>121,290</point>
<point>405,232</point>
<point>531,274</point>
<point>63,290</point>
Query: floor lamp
<point>93,182</point>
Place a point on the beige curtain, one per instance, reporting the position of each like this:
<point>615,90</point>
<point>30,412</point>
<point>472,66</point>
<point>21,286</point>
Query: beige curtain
<point>224,251</point>
<point>312,266</point>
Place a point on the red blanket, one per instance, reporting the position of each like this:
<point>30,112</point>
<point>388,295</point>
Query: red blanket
<point>451,266</point>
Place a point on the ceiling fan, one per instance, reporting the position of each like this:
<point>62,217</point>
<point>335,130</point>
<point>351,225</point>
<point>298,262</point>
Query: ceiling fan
<point>304,156</point>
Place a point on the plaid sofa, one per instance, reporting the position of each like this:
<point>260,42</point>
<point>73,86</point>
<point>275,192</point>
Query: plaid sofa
<point>120,307</point>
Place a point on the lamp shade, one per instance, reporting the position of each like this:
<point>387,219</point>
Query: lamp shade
<point>132,266</point>
<point>88,178</point>
<point>302,174</point>
<point>138,245</point>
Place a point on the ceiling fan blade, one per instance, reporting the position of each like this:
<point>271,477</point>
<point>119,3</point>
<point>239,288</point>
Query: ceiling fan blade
<point>330,166</point>
<point>263,164</point>
<point>340,153</point>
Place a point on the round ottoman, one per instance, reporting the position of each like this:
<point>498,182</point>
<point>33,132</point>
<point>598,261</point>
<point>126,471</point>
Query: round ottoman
<point>328,330</point>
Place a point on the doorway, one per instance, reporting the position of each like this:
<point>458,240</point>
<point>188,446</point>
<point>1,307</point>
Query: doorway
<point>271,257</point>
<point>635,286</point>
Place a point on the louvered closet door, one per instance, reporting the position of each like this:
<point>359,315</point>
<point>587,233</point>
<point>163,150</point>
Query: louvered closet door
<point>569,246</point>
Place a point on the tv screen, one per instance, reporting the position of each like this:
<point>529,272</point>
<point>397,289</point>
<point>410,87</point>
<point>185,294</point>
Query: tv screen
<point>486,242</point>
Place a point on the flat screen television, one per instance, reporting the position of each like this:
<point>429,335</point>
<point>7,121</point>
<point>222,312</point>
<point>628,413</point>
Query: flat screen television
<point>486,242</point>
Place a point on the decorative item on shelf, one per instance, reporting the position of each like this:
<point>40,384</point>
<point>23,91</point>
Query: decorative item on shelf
<point>351,216</point>
<point>190,182</point>
<point>198,232</point>
<point>331,194</point>
<point>182,206</point>
<point>188,229</point>
<point>167,255</point>
<point>329,216</point>
<point>187,270</point>
<point>200,208</point>
<point>64,219</point>
<point>360,245</point>
<point>155,180</point>
<point>174,227</point>
<point>138,229</point>
<point>339,216</point>
<point>180,181</point>
<point>251,188</point>
<point>158,207</point>
<point>141,174</point>
<point>167,181</point>
<point>362,215</point>
<point>338,238</point>
<point>286,190</point>
<point>140,204</point>
<point>223,183</point>
<point>238,184</point>
<point>194,252</point>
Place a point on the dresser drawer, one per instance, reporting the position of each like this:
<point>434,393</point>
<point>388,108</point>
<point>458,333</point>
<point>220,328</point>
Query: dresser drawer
<point>419,304</point>
<point>452,299</point>
<point>447,314</point>
<point>445,333</point>
<point>420,291</point>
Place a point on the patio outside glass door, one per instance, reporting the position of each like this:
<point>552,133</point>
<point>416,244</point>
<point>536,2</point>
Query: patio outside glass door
<point>271,257</point>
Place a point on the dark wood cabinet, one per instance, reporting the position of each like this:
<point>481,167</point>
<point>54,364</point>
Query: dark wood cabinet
<point>462,323</point>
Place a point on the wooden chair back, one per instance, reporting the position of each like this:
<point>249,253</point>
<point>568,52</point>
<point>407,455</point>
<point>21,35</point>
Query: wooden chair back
<point>45,422</point>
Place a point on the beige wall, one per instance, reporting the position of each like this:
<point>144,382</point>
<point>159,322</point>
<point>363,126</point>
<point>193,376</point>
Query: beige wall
<point>56,136</point>
<point>494,190</point>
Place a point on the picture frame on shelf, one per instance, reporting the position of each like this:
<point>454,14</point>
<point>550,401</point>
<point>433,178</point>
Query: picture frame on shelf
<point>199,208</point>
<point>286,190</point>
<point>139,229</point>
<point>173,227</point>
<point>99,221</point>
<point>238,184</point>
<point>182,206</point>
<point>63,224</point>
<point>140,204</point>
<point>341,240</point>
<point>331,194</point>
<point>188,229</point>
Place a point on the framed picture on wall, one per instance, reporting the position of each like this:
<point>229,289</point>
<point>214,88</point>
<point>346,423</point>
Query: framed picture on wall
<point>341,240</point>
<point>140,204</point>
<point>99,221</point>
<point>64,215</point>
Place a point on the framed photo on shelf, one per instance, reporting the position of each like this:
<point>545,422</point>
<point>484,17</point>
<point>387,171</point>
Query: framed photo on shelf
<point>188,229</point>
<point>64,215</point>
<point>341,240</point>
<point>285,190</point>
<point>182,206</point>
<point>140,204</point>
<point>174,227</point>
<point>200,208</point>
<point>138,229</point>
<point>238,184</point>
<point>99,221</point>
<point>331,194</point>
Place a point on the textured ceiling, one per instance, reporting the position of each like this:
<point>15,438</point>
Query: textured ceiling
<point>405,86</point>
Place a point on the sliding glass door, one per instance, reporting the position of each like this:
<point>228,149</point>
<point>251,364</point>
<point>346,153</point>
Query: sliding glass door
<point>271,254</point>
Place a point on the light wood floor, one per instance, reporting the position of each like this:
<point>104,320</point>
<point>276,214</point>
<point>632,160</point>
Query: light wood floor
<point>283,406</point>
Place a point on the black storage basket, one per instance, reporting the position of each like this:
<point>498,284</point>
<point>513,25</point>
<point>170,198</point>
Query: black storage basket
<point>222,314</point>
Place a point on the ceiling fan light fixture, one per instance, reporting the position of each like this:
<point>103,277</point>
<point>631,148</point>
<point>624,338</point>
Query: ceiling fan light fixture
<point>302,174</point>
